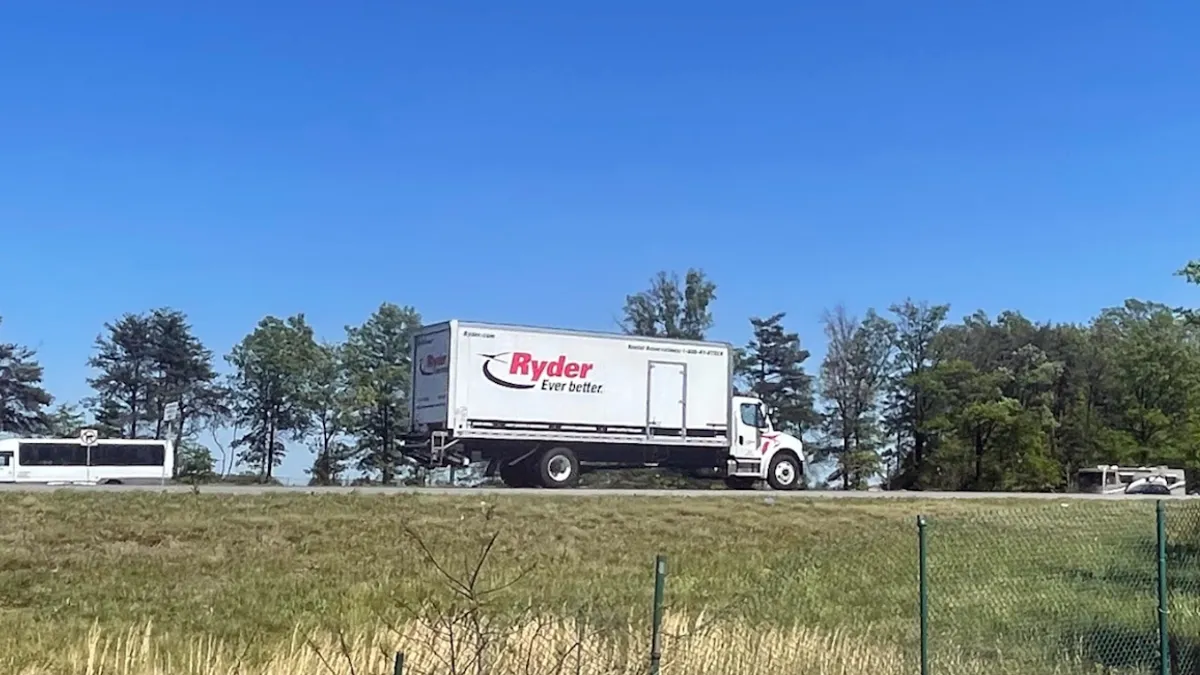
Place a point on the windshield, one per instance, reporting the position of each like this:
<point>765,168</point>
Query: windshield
<point>1091,481</point>
<point>767,414</point>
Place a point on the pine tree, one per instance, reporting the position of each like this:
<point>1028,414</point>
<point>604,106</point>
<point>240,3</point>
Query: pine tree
<point>773,366</point>
<point>125,360</point>
<point>23,400</point>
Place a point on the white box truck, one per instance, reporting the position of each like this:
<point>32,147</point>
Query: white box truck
<point>541,405</point>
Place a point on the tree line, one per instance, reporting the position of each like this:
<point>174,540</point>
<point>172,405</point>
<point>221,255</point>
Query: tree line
<point>344,400</point>
<point>905,397</point>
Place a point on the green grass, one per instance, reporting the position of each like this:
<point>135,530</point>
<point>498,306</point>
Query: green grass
<point>1021,586</point>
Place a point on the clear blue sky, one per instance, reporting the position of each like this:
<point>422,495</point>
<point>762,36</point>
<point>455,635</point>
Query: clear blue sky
<point>534,162</point>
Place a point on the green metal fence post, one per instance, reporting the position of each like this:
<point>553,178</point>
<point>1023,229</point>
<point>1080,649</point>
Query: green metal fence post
<point>660,582</point>
<point>398,669</point>
<point>923,590</point>
<point>1164,655</point>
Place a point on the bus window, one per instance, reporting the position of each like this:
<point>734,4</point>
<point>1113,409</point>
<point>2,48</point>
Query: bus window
<point>51,454</point>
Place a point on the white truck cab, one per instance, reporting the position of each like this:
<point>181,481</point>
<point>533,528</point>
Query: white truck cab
<point>759,452</point>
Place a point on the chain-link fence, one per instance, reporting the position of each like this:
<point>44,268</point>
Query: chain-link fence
<point>1060,587</point>
<point>1054,587</point>
<point>1063,587</point>
<point>1181,548</point>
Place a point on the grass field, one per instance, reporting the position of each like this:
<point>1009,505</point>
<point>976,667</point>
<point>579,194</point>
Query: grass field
<point>138,583</point>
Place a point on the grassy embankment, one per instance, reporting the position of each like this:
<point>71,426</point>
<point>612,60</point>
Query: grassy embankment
<point>143,583</point>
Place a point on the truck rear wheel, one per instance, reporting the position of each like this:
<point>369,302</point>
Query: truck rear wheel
<point>558,468</point>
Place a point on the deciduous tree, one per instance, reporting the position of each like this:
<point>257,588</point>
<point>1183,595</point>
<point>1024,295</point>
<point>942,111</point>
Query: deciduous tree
<point>853,375</point>
<point>326,399</point>
<point>268,389</point>
<point>915,352</point>
<point>671,308</point>
<point>378,371</point>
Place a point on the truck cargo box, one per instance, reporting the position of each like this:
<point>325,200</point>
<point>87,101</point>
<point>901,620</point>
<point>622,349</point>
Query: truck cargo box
<point>479,380</point>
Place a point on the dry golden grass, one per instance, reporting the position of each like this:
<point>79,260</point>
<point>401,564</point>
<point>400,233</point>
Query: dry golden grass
<point>536,647</point>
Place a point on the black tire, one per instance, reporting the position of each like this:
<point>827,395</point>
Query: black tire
<point>558,468</point>
<point>740,483</point>
<point>519,475</point>
<point>784,472</point>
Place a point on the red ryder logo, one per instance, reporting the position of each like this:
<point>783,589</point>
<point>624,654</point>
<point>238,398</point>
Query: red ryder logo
<point>524,364</point>
<point>433,364</point>
<point>525,371</point>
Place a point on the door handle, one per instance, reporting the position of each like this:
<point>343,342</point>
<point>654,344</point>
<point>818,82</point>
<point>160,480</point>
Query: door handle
<point>741,440</point>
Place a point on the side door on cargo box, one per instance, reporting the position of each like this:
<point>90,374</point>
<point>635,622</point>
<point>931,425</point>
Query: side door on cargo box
<point>666,392</point>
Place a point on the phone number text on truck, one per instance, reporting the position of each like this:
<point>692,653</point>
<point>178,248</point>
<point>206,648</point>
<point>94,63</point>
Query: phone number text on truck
<point>542,405</point>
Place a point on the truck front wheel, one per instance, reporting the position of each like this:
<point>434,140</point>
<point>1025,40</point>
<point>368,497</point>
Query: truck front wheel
<point>558,468</point>
<point>784,472</point>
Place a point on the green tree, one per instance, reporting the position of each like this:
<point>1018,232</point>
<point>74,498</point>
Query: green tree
<point>183,374</point>
<point>1153,412</point>
<point>23,400</point>
<point>196,463</point>
<point>973,413</point>
<point>853,375</point>
<point>147,362</point>
<point>108,418</point>
<point>267,386</point>
<point>915,352</point>
<point>65,421</point>
<point>994,394</point>
<point>326,398</point>
<point>773,365</point>
<point>671,308</point>
<point>1072,397</point>
<point>1191,274</point>
<point>378,370</point>
<point>125,360</point>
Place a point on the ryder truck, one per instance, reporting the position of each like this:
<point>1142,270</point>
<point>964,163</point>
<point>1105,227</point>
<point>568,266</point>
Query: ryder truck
<point>541,405</point>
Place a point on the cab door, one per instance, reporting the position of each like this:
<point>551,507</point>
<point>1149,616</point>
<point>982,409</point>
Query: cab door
<point>748,432</point>
<point>8,468</point>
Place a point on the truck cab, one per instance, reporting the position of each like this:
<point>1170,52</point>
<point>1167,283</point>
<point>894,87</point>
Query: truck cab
<point>759,452</point>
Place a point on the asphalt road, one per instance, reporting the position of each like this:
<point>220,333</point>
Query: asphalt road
<point>568,493</point>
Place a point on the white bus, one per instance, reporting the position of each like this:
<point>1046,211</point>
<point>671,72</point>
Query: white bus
<point>111,461</point>
<point>1112,479</point>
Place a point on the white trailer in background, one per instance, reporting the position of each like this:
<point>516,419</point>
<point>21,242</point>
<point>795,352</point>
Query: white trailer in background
<point>86,461</point>
<point>540,405</point>
<point>1112,479</point>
